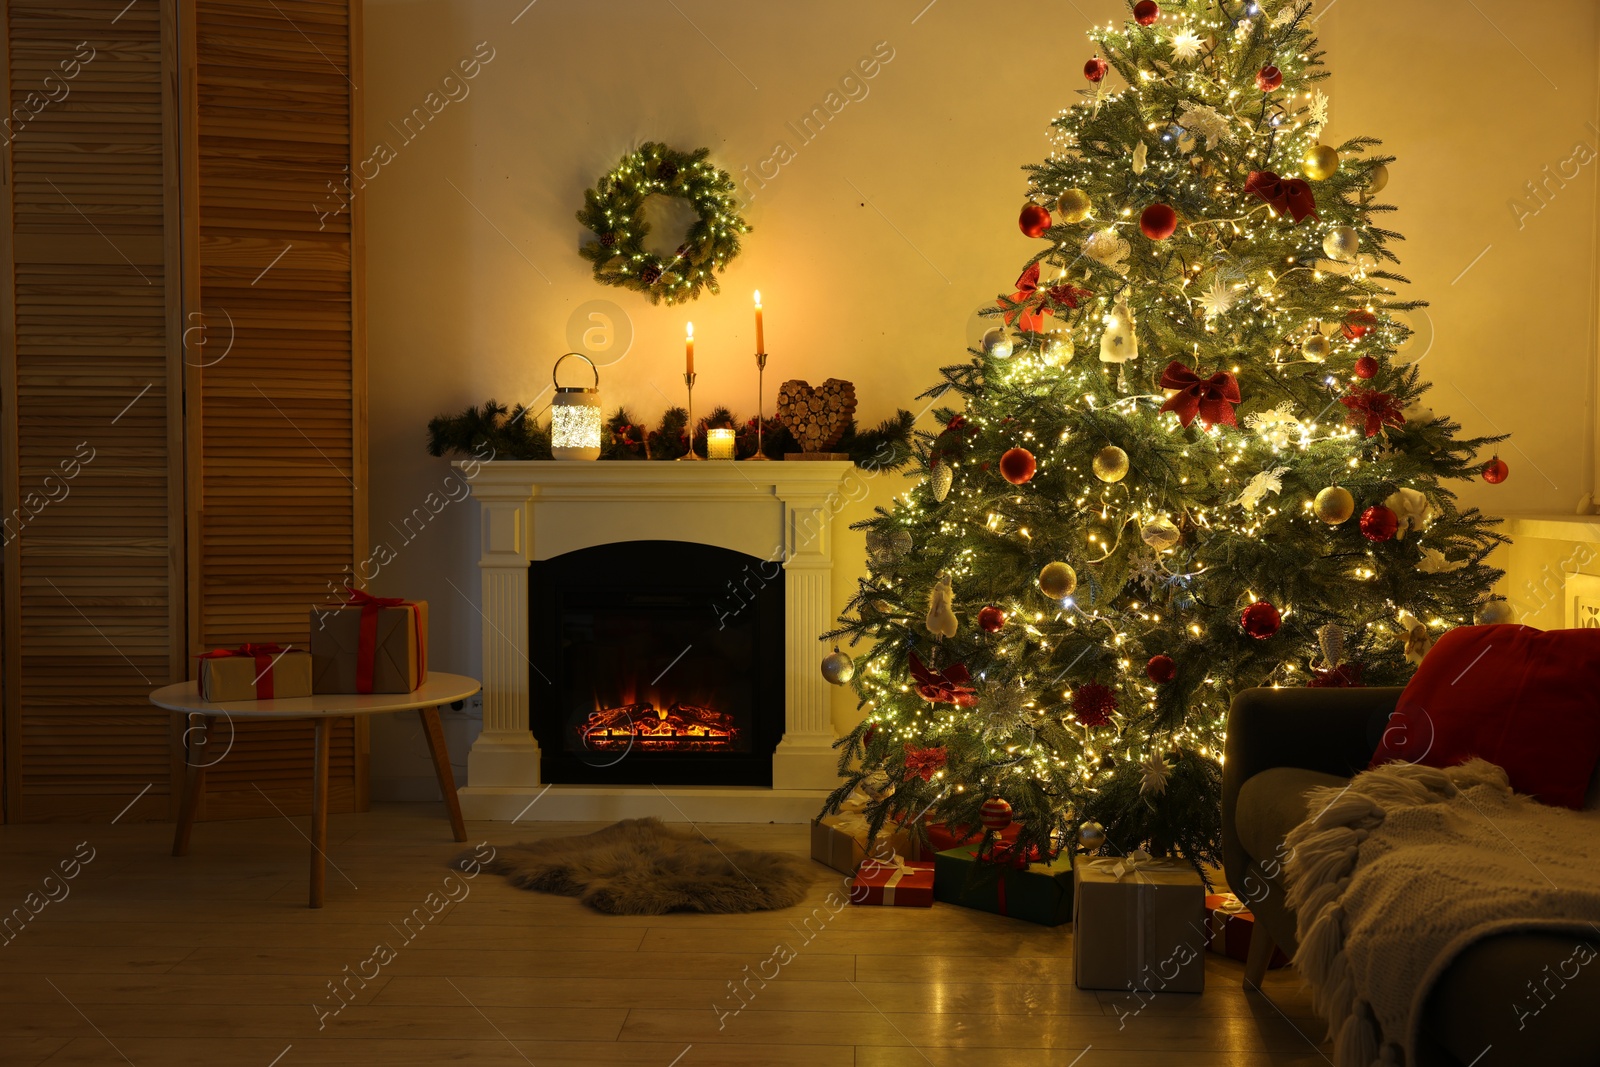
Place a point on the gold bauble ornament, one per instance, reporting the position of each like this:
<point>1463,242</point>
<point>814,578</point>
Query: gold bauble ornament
<point>1057,580</point>
<point>1321,162</point>
<point>1342,243</point>
<point>1316,348</point>
<point>1334,505</point>
<point>1092,836</point>
<point>1110,464</point>
<point>838,668</point>
<point>1377,178</point>
<point>1074,206</point>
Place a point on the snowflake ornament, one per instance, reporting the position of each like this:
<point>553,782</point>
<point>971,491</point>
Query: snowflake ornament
<point>1218,299</point>
<point>1276,427</point>
<point>1186,46</point>
<point>1285,16</point>
<point>1319,111</point>
<point>1256,490</point>
<point>1153,774</point>
<point>1203,120</point>
<point>1109,249</point>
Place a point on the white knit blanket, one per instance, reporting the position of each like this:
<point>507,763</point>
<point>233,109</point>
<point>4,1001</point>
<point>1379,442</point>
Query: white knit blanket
<point>1394,875</point>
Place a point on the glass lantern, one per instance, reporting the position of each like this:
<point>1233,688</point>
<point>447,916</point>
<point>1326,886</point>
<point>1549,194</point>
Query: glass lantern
<point>575,416</point>
<point>719,443</point>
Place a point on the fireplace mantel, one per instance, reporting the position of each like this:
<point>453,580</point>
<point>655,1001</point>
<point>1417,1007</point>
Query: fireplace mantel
<point>537,510</point>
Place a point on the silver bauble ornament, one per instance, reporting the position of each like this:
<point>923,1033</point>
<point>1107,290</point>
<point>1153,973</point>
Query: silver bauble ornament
<point>1377,178</point>
<point>1316,348</point>
<point>939,480</point>
<point>997,342</point>
<point>1341,243</point>
<point>1160,534</point>
<point>1495,613</point>
<point>838,668</point>
<point>1092,836</point>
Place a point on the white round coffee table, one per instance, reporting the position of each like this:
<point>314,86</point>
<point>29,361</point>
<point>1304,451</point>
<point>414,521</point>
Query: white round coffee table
<point>323,709</point>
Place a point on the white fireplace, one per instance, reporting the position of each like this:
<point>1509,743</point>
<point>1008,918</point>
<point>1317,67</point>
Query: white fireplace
<point>781,511</point>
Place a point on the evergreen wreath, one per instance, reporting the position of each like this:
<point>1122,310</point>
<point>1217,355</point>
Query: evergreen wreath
<point>614,210</point>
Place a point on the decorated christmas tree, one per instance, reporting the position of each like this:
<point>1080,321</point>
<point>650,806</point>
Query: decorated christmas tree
<point>1190,458</point>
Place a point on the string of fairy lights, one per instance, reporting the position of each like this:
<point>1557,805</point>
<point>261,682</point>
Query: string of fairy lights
<point>1246,288</point>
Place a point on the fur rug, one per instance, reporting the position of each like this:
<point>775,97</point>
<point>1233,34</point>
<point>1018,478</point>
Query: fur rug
<point>641,867</point>
<point>1406,867</point>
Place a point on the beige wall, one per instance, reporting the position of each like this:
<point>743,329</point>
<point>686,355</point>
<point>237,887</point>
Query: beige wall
<point>878,240</point>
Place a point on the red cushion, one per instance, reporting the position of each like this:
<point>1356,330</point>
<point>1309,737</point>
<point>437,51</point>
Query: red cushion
<point>1526,700</point>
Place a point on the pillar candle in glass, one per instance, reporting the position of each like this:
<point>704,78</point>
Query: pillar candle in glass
<point>719,443</point>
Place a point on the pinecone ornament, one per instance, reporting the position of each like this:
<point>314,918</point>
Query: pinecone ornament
<point>939,480</point>
<point>1331,640</point>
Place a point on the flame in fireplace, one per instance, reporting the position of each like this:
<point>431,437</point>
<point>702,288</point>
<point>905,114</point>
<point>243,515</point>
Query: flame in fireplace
<point>644,725</point>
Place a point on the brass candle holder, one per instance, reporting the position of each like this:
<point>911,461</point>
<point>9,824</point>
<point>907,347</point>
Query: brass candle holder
<point>761,368</point>
<point>688,380</point>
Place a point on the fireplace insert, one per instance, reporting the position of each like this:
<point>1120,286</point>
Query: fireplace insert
<point>657,662</point>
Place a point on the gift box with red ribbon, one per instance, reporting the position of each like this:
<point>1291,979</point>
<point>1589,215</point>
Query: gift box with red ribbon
<point>369,644</point>
<point>1229,926</point>
<point>254,672</point>
<point>1138,925</point>
<point>896,884</point>
<point>943,837</point>
<point>1006,883</point>
<point>840,841</point>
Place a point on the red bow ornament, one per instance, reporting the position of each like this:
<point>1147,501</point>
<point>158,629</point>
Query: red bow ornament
<point>952,686</point>
<point>1211,398</point>
<point>1291,197</point>
<point>1372,410</point>
<point>924,762</point>
<point>1028,305</point>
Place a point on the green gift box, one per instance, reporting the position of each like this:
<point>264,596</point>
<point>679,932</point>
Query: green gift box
<point>1038,892</point>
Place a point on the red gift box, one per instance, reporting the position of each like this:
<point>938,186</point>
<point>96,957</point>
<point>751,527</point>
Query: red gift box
<point>897,885</point>
<point>1229,927</point>
<point>943,838</point>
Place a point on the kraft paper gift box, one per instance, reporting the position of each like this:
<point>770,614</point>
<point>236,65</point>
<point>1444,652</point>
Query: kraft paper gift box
<point>895,884</point>
<point>369,645</point>
<point>1038,892</point>
<point>840,841</point>
<point>1229,927</point>
<point>254,672</point>
<point>1139,924</point>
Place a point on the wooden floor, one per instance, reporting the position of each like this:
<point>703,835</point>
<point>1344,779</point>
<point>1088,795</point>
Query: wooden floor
<point>215,959</point>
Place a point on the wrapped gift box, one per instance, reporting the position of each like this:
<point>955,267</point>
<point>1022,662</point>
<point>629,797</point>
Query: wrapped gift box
<point>255,672</point>
<point>1038,892</point>
<point>369,645</point>
<point>943,837</point>
<point>896,884</point>
<point>1229,927</point>
<point>1139,924</point>
<point>840,841</point>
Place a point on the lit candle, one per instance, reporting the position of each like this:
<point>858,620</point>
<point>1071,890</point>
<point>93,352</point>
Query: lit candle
<point>719,443</point>
<point>688,350</point>
<point>761,341</point>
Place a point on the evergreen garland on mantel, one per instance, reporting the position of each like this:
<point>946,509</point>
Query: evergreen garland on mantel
<point>514,433</point>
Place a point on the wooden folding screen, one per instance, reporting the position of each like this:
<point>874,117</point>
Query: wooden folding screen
<point>93,482</point>
<point>179,311</point>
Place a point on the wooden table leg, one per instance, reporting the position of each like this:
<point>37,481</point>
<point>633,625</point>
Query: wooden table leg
<point>319,810</point>
<point>441,769</point>
<point>195,758</point>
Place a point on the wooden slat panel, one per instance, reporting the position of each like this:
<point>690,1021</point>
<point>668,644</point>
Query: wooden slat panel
<point>282,454</point>
<point>94,589</point>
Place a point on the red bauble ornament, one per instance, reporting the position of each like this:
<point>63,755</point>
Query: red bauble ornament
<point>1161,669</point>
<point>995,814</point>
<point>1158,222</point>
<point>1268,78</point>
<point>1095,69</point>
<point>1260,620</point>
<point>1378,523</point>
<point>1357,324</point>
<point>1145,12</point>
<point>1034,220</point>
<point>1017,465</point>
<point>1495,471</point>
<point>991,620</point>
<point>1366,368</point>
